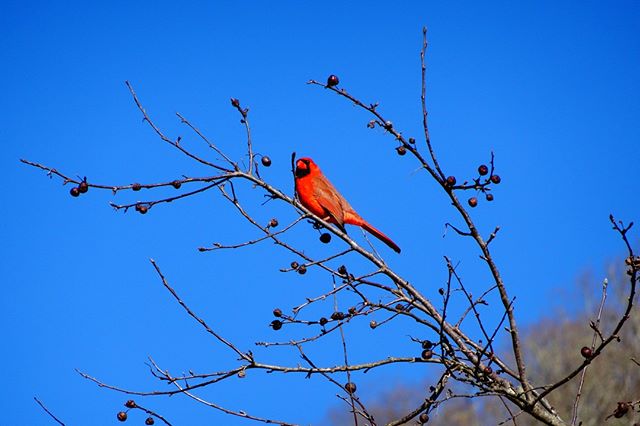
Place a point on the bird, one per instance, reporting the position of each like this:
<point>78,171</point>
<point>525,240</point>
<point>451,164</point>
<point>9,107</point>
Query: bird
<point>317,194</point>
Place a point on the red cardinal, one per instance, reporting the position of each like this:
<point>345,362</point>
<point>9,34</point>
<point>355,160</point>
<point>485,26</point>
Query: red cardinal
<point>318,195</point>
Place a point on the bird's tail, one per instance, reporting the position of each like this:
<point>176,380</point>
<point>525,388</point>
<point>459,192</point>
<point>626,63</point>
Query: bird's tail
<point>379,235</point>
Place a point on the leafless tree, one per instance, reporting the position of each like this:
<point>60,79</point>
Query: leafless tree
<point>459,346</point>
<point>552,346</point>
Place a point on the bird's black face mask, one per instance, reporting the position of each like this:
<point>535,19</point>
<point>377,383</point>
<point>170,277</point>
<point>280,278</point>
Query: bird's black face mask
<point>302,168</point>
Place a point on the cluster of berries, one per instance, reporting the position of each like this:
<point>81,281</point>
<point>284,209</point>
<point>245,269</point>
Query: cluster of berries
<point>483,170</point>
<point>130,404</point>
<point>82,188</point>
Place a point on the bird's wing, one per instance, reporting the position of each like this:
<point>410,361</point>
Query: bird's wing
<point>329,198</point>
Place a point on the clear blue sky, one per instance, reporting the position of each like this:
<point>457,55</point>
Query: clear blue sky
<point>551,87</point>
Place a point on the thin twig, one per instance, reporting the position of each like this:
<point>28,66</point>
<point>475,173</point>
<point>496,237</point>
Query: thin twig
<point>227,343</point>
<point>596,333</point>
<point>176,143</point>
<point>423,101</point>
<point>48,412</point>
<point>633,279</point>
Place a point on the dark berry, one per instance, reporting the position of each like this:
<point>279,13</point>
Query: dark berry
<point>176,184</point>
<point>142,209</point>
<point>323,321</point>
<point>75,191</point>
<point>342,270</point>
<point>489,197</point>
<point>122,416</point>
<point>586,352</point>
<point>83,187</point>
<point>352,310</point>
<point>294,265</point>
<point>302,270</point>
<point>350,387</point>
<point>337,316</point>
<point>273,223</point>
<point>136,186</point>
<point>149,421</point>
<point>427,354</point>
<point>473,201</point>
<point>451,181</point>
<point>373,324</point>
<point>401,150</point>
<point>130,404</point>
<point>277,312</point>
<point>483,170</point>
<point>235,102</point>
<point>496,179</point>
<point>412,140</point>
<point>276,324</point>
<point>424,418</point>
<point>325,238</point>
<point>427,344</point>
<point>488,370</point>
<point>333,80</point>
<point>266,161</point>
<point>399,307</point>
<point>441,291</point>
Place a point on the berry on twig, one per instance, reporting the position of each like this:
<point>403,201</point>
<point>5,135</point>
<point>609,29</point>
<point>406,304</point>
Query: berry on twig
<point>276,324</point>
<point>350,387</point>
<point>141,208</point>
<point>337,316</point>
<point>83,187</point>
